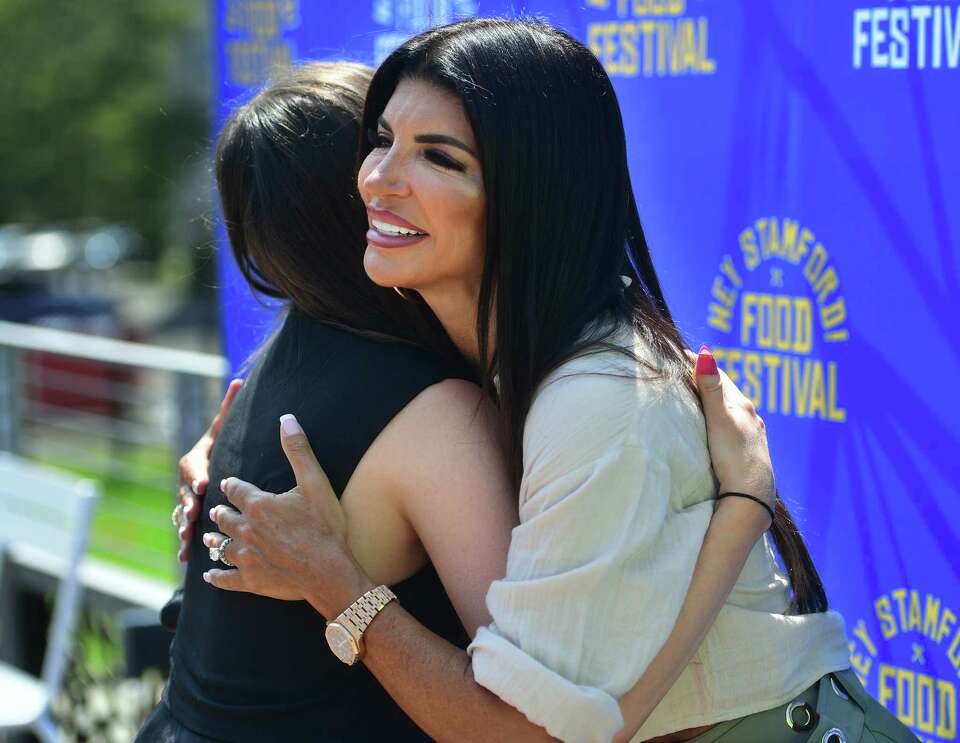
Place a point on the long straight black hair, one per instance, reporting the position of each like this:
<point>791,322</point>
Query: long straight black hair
<point>285,172</point>
<point>562,222</point>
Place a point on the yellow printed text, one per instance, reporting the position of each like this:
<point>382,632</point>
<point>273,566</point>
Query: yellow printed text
<point>920,701</point>
<point>780,383</point>
<point>652,47</point>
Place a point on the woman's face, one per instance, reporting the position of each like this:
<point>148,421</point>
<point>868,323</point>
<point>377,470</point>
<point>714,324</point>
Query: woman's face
<point>423,188</point>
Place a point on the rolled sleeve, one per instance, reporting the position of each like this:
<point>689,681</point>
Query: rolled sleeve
<point>617,494</point>
<point>584,605</point>
<point>564,709</point>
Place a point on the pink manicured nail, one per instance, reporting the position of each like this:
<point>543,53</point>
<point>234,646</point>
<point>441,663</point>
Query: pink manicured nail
<point>206,577</point>
<point>213,513</point>
<point>290,425</point>
<point>706,364</point>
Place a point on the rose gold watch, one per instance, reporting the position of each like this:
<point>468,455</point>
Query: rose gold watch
<point>345,633</point>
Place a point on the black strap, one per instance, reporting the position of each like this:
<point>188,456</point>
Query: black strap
<point>754,498</point>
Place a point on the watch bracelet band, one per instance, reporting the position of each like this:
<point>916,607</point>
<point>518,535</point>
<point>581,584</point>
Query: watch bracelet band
<point>362,611</point>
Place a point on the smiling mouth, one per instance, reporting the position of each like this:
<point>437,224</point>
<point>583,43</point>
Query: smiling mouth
<point>393,230</point>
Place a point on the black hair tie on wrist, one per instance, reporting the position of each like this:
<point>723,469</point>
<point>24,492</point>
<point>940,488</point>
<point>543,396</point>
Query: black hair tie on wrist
<point>754,499</point>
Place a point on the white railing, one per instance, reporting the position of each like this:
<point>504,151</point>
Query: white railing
<point>115,411</point>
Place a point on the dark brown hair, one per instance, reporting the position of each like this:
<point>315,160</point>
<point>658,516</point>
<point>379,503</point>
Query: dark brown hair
<point>286,175</point>
<point>562,222</point>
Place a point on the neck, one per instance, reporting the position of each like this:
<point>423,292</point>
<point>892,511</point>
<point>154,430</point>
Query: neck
<point>457,312</point>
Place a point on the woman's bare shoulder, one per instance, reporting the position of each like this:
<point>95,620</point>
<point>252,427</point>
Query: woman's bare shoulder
<point>451,408</point>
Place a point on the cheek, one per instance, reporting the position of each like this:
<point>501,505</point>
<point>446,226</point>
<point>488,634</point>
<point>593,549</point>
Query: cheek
<point>456,206</point>
<point>479,218</point>
<point>468,214</point>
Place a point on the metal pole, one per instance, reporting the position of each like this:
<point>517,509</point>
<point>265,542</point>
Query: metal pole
<point>10,399</point>
<point>192,411</point>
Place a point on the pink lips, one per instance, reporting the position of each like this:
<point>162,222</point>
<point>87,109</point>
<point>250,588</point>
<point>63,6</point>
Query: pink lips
<point>375,237</point>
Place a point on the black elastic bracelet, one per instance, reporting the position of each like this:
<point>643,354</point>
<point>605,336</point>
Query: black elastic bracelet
<point>753,498</point>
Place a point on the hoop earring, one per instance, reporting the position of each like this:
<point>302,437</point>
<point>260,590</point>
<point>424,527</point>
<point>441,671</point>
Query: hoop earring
<point>399,291</point>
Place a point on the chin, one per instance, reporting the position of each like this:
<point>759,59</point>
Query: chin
<point>383,269</point>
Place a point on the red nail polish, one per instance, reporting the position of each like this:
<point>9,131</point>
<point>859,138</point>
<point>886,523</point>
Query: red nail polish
<point>706,364</point>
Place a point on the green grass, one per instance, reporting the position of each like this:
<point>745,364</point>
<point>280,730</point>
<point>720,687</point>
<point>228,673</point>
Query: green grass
<point>132,524</point>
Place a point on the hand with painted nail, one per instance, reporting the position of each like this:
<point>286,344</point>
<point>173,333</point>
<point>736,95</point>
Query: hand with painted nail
<point>736,434</point>
<point>290,545</point>
<point>193,478</point>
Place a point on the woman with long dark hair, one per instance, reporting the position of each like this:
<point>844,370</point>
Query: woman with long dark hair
<point>351,356</point>
<point>498,193</point>
<point>380,388</point>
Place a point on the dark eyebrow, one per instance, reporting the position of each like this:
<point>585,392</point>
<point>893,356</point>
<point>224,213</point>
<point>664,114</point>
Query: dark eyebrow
<point>444,139</point>
<point>434,139</point>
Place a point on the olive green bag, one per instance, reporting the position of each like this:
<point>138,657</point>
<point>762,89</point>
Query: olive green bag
<point>836,709</point>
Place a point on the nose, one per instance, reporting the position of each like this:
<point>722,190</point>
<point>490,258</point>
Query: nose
<point>385,177</point>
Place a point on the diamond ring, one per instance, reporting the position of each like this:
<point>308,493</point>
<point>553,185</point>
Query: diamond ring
<point>217,553</point>
<point>177,516</point>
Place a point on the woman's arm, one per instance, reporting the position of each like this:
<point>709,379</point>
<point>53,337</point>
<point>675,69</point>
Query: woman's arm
<point>192,484</point>
<point>741,461</point>
<point>439,466</point>
<point>192,472</point>
<point>431,679</point>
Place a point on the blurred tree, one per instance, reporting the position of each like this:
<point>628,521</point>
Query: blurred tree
<point>103,110</point>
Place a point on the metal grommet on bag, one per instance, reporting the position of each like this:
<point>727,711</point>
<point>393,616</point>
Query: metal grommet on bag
<point>801,716</point>
<point>838,690</point>
<point>834,735</point>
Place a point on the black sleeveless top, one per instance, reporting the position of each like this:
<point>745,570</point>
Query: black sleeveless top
<point>250,668</point>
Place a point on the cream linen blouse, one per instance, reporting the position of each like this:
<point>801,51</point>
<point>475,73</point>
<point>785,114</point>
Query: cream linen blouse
<point>616,496</point>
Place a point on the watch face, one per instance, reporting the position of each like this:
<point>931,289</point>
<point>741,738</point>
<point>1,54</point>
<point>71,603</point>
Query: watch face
<point>341,642</point>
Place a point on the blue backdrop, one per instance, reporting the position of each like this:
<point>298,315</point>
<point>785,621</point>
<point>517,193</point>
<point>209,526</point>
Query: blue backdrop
<point>797,166</point>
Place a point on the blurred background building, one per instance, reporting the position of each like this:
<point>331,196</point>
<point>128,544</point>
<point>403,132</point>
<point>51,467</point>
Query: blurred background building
<point>105,231</point>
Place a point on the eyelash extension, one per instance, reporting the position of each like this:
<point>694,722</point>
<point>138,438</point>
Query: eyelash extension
<point>444,160</point>
<point>379,140</point>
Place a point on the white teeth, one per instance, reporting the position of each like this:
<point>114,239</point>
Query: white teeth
<point>391,229</point>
